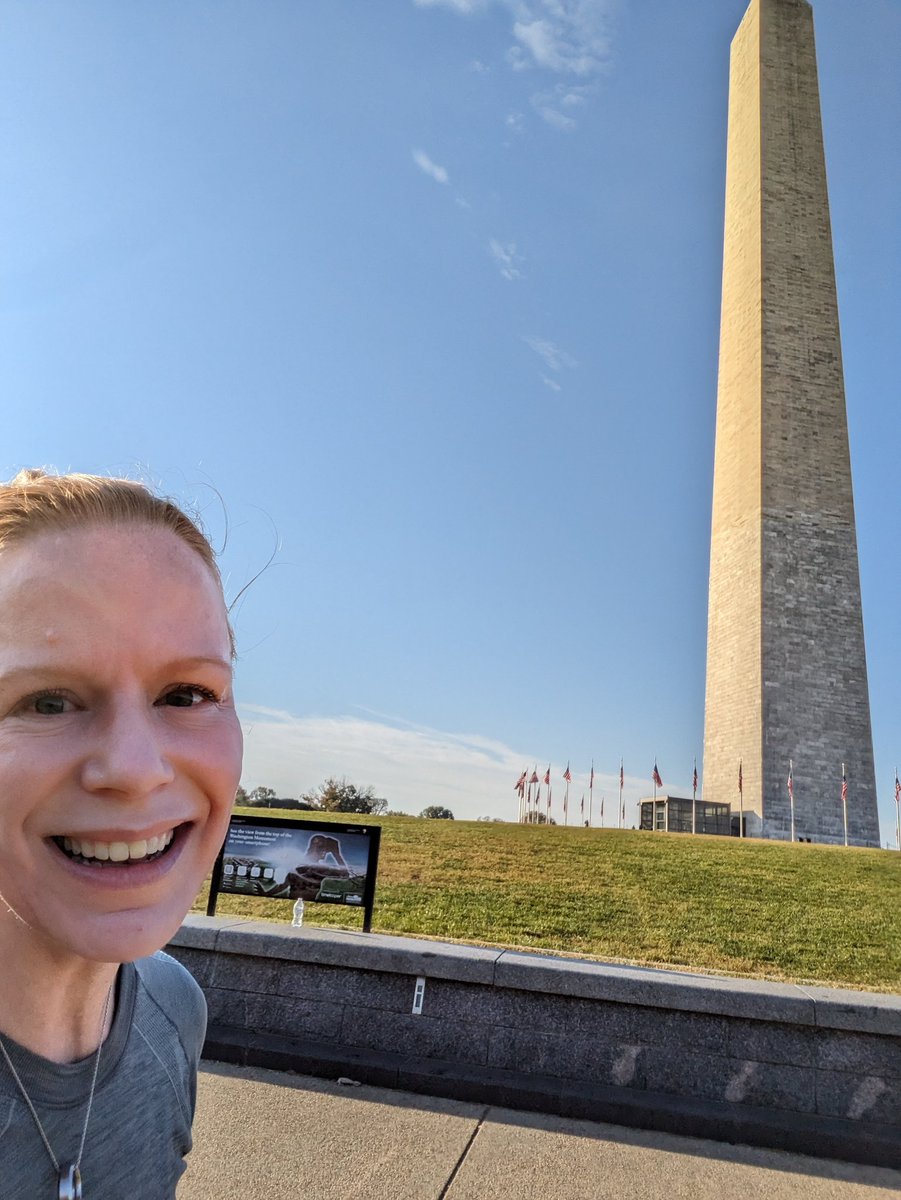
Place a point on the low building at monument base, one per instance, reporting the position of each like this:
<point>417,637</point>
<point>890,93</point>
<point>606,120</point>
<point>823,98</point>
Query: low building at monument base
<point>673,814</point>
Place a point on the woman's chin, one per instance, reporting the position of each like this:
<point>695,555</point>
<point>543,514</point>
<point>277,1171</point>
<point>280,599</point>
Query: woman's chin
<point>119,937</point>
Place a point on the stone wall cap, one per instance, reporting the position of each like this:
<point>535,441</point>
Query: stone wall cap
<point>343,947</point>
<point>533,971</point>
<point>862,1012</point>
<point>655,987</point>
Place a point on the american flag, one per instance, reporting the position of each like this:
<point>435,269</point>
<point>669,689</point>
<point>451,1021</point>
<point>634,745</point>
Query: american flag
<point>844,785</point>
<point>656,777</point>
<point>694,778</point>
<point>620,774</point>
<point>897,789</point>
<point>583,804</point>
<point>591,778</point>
<point>740,778</point>
<point>547,775</point>
<point>791,781</point>
<point>566,774</point>
<point>520,784</point>
<point>534,778</point>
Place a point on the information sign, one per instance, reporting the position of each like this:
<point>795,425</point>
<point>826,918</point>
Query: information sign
<point>319,862</point>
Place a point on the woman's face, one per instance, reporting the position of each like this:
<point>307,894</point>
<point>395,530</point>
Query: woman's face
<point>120,748</point>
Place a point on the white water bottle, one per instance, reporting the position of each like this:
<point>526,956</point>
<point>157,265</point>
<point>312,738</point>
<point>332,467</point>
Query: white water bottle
<point>297,919</point>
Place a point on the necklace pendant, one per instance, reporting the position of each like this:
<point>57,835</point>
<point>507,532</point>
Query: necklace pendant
<point>70,1183</point>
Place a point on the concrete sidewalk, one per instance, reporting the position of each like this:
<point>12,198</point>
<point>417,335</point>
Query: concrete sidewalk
<point>263,1133</point>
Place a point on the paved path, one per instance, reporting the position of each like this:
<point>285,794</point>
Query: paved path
<point>264,1134</point>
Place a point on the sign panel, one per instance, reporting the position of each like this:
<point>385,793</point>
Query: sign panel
<point>319,862</point>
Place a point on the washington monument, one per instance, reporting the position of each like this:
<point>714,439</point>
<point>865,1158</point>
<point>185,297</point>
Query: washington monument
<point>786,666</point>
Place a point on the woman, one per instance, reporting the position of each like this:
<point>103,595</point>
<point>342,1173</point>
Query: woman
<point>120,754</point>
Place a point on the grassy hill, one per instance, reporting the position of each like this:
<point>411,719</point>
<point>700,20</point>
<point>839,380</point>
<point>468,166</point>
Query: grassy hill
<point>766,909</point>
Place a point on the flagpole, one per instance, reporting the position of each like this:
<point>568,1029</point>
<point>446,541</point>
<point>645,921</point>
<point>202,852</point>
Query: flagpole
<point>845,802</point>
<point>741,803</point>
<point>791,793</point>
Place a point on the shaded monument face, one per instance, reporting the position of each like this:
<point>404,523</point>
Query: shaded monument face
<point>786,667</point>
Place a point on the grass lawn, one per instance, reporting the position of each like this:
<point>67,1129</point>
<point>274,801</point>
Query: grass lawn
<point>820,914</point>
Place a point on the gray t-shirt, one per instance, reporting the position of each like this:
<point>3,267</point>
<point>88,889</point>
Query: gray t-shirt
<point>140,1129</point>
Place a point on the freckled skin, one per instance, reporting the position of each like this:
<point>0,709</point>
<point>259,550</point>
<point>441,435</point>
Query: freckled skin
<point>109,623</point>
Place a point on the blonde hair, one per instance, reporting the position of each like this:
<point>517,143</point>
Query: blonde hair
<point>36,502</point>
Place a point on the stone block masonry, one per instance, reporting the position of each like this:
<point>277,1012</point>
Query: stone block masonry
<point>786,665</point>
<point>805,1069</point>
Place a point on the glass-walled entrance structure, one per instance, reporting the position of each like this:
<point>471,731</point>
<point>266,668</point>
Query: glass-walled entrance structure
<point>672,814</point>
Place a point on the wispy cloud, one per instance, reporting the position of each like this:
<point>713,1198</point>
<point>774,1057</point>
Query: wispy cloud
<point>551,383</point>
<point>571,37</point>
<point>432,169</point>
<point>506,258</point>
<point>555,118</point>
<point>460,6</point>
<point>410,765</point>
<point>557,105</point>
<point>567,36</point>
<point>553,357</point>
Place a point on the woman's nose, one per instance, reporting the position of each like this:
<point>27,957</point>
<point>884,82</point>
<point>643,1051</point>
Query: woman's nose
<point>128,756</point>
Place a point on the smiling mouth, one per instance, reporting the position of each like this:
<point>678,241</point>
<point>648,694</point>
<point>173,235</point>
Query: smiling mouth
<point>99,854</point>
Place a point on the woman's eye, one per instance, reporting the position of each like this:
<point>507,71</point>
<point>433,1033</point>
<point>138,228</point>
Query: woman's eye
<point>187,696</point>
<point>48,704</point>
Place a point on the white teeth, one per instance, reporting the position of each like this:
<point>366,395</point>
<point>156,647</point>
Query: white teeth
<point>117,852</point>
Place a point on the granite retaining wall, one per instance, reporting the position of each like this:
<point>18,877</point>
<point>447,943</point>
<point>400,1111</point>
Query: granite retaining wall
<point>806,1069</point>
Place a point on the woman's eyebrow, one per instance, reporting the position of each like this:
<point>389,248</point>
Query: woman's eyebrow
<point>202,660</point>
<point>39,670</point>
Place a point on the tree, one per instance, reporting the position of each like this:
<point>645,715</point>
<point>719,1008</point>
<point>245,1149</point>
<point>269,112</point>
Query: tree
<point>262,797</point>
<point>337,795</point>
<point>240,796</point>
<point>437,812</point>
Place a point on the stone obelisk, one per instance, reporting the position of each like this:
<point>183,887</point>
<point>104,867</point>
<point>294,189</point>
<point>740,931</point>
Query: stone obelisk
<point>786,666</point>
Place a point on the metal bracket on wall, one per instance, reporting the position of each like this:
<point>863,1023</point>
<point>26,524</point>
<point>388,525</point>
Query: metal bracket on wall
<point>418,994</point>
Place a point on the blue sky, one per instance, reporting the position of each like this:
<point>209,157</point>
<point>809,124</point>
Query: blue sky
<point>427,296</point>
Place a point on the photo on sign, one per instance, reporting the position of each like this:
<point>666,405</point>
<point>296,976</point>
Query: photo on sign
<point>296,864</point>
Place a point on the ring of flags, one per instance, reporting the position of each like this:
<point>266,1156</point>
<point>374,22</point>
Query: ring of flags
<point>529,811</point>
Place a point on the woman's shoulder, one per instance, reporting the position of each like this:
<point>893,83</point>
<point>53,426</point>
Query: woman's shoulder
<point>165,977</point>
<point>172,989</point>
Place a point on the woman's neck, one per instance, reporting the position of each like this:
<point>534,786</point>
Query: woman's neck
<point>51,1002</point>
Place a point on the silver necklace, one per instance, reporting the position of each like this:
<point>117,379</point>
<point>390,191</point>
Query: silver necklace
<point>69,1174</point>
